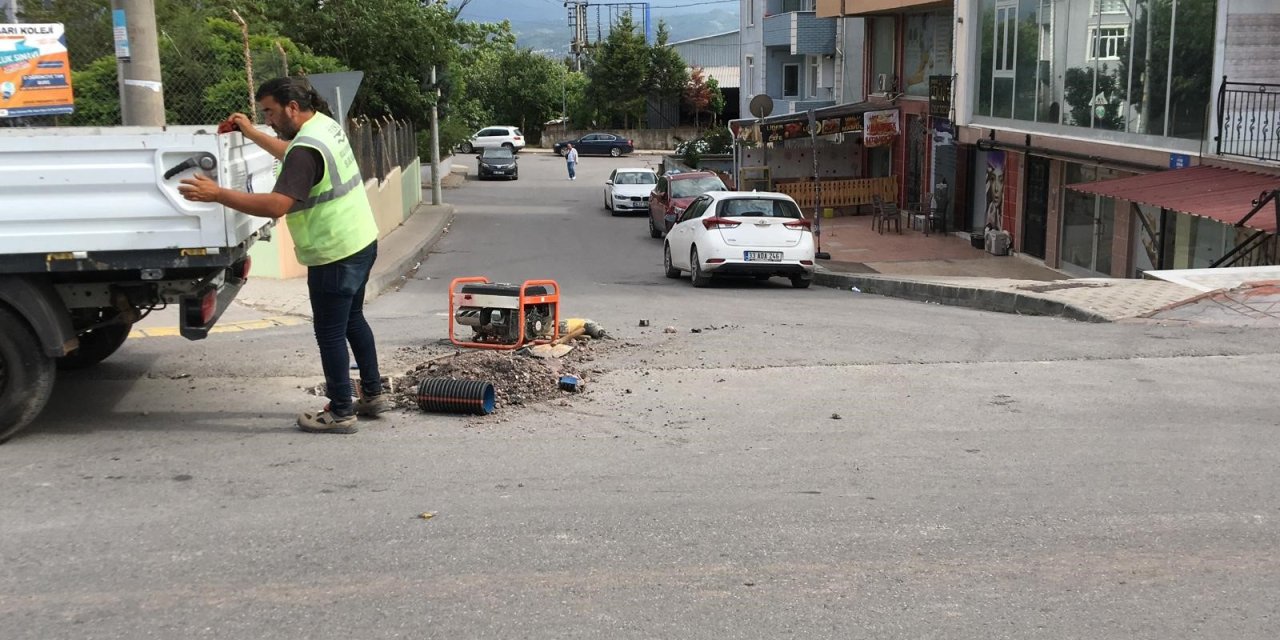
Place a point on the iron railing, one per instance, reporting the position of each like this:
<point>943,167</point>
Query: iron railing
<point>1249,120</point>
<point>381,145</point>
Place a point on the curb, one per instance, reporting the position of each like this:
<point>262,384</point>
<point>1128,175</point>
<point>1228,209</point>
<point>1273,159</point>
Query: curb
<point>385,278</point>
<point>957,296</point>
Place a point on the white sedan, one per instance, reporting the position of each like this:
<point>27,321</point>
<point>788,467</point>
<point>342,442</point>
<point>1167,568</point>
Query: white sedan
<point>741,233</point>
<point>628,190</point>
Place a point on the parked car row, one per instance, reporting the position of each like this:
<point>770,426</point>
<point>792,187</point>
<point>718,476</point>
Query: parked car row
<point>707,230</point>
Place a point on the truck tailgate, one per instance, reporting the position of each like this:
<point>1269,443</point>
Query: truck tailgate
<point>89,189</point>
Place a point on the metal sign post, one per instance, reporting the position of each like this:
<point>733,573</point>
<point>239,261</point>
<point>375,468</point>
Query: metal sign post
<point>817,189</point>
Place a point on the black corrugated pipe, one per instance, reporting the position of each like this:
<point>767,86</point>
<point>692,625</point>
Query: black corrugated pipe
<point>450,395</point>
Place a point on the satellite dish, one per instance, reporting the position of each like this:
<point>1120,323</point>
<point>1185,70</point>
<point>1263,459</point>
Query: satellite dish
<point>761,106</point>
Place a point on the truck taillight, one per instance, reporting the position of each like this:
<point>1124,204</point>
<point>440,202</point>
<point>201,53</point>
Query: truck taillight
<point>798,224</point>
<point>720,223</point>
<point>208,306</point>
<point>239,272</point>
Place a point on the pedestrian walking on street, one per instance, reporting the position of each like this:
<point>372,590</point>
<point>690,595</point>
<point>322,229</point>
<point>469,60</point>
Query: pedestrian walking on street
<point>571,161</point>
<point>320,194</point>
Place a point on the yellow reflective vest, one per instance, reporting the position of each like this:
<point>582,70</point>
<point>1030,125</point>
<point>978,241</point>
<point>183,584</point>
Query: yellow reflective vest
<point>336,220</point>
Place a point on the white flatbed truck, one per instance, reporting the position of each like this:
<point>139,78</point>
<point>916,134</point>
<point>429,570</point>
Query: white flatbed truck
<point>94,235</point>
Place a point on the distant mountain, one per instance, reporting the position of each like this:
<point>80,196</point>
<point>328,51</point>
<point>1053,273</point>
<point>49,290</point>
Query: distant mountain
<point>543,25</point>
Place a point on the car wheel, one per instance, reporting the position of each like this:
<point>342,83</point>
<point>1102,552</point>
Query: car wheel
<point>653,230</point>
<point>466,147</point>
<point>508,145</point>
<point>670,271</point>
<point>615,152</point>
<point>698,276</point>
<point>26,375</point>
<point>801,282</point>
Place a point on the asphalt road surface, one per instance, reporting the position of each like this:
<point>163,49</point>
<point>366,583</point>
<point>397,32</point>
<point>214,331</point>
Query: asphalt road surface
<point>812,464</point>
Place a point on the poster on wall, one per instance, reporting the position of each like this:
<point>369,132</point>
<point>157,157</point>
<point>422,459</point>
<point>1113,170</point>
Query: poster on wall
<point>879,128</point>
<point>993,189</point>
<point>35,72</point>
<point>926,52</point>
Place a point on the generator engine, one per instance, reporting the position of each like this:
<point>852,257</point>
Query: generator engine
<point>493,312</point>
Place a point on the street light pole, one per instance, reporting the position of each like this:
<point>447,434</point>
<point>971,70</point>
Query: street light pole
<point>437,197</point>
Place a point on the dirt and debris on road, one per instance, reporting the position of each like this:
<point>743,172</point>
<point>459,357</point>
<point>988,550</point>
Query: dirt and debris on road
<point>517,379</point>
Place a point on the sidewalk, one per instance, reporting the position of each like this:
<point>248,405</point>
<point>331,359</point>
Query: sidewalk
<point>399,252</point>
<point>946,269</point>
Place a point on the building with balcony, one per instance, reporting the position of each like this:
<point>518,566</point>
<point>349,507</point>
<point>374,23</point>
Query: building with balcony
<point>789,54</point>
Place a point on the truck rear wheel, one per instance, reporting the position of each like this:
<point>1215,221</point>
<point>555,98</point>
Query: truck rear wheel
<point>26,374</point>
<point>98,344</point>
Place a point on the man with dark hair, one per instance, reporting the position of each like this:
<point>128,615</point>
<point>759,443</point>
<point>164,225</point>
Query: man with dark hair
<point>320,194</point>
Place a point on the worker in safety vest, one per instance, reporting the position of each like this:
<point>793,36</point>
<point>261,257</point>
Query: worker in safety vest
<point>321,196</point>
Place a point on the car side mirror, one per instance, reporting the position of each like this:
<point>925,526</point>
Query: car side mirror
<point>608,183</point>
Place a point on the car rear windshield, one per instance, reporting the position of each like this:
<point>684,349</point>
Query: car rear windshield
<point>518,134</point>
<point>695,187</point>
<point>497,153</point>
<point>635,177</point>
<point>758,208</point>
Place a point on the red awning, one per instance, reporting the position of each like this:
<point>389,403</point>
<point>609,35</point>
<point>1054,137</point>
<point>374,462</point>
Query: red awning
<point>1226,195</point>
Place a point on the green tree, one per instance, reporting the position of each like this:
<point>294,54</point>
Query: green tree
<point>716,102</point>
<point>668,73</point>
<point>618,70</point>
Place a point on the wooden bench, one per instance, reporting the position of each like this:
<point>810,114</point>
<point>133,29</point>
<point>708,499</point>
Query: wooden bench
<point>852,192</point>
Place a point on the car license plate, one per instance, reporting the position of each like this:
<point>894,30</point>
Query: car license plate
<point>762,256</point>
<point>499,171</point>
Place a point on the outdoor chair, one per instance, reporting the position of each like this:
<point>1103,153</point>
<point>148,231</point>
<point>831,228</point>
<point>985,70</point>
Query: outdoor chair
<point>888,214</point>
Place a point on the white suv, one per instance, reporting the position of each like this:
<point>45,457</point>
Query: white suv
<point>490,137</point>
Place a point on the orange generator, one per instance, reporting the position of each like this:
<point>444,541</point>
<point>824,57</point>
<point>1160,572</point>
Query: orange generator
<point>504,316</point>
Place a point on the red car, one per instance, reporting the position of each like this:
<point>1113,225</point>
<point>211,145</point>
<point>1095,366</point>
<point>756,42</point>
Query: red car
<point>673,194</point>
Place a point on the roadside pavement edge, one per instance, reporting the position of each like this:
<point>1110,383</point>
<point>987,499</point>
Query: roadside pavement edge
<point>1001,301</point>
<point>405,246</point>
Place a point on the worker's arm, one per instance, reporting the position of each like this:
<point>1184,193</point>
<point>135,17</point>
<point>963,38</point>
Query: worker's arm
<point>200,188</point>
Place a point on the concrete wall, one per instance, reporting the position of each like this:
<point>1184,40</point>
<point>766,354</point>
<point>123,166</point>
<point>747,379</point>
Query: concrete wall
<point>642,138</point>
<point>393,201</point>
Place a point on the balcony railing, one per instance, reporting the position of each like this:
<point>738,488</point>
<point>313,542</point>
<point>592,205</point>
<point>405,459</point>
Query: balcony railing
<point>1249,120</point>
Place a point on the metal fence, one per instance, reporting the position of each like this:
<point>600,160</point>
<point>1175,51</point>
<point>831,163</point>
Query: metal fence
<point>207,71</point>
<point>381,145</point>
<point>1249,120</point>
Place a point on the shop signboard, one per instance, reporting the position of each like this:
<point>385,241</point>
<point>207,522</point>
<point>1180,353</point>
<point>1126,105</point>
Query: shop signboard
<point>879,128</point>
<point>35,72</point>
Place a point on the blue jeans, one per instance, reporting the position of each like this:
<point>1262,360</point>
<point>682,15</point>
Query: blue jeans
<point>572,169</point>
<point>337,309</point>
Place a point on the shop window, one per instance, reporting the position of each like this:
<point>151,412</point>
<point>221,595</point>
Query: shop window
<point>926,51</point>
<point>1100,64</point>
<point>791,81</point>
<point>883,78</point>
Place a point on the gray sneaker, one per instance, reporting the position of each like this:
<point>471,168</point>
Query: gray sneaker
<point>373,405</point>
<point>325,422</point>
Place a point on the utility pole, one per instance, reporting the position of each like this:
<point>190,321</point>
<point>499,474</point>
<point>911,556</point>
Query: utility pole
<point>437,197</point>
<point>138,63</point>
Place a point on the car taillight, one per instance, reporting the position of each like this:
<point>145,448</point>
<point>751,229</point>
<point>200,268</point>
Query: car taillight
<point>798,224</point>
<point>518,138</point>
<point>720,223</point>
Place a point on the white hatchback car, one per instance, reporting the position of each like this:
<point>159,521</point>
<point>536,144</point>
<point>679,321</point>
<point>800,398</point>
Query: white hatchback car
<point>628,190</point>
<point>494,137</point>
<point>741,233</point>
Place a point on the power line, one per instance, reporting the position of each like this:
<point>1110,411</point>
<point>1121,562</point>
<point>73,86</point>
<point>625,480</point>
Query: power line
<point>689,4</point>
